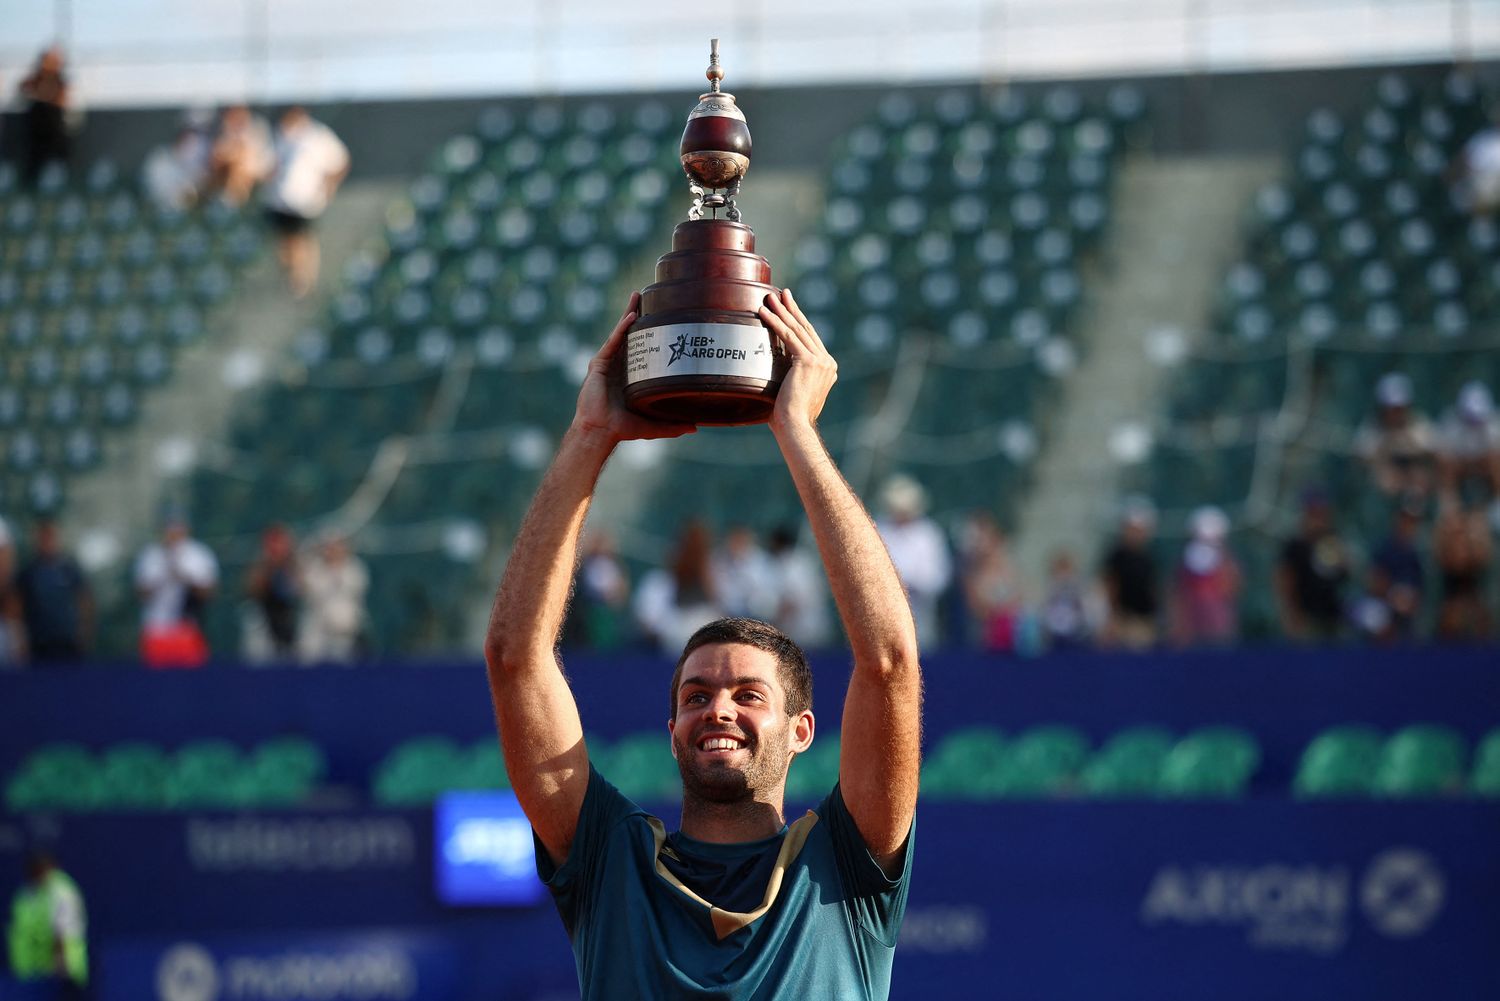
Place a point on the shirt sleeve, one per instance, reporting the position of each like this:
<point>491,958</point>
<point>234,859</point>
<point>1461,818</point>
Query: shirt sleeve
<point>875,901</point>
<point>574,883</point>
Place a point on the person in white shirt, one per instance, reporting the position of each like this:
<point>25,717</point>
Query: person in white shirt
<point>175,578</point>
<point>311,163</point>
<point>1476,171</point>
<point>1398,443</point>
<point>919,550</point>
<point>1469,448</point>
<point>334,584</point>
<point>173,175</point>
<point>801,592</point>
<point>742,576</point>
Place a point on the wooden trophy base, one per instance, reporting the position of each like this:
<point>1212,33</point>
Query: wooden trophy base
<point>699,353</point>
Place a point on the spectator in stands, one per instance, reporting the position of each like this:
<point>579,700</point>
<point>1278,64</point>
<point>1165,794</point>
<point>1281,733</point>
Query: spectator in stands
<point>173,176</point>
<point>601,595</point>
<point>742,575</point>
<point>1464,552</point>
<point>1206,592</point>
<point>311,163</point>
<point>919,551</point>
<point>671,603</point>
<point>56,602</point>
<point>46,93</point>
<point>1399,444</point>
<point>1311,575</point>
<point>801,592</point>
<point>1070,613</point>
<point>175,579</point>
<point>1129,576</point>
<point>334,585</point>
<point>274,584</point>
<point>1475,171</point>
<point>242,155</point>
<point>991,584</point>
<point>11,630</point>
<point>1469,448</point>
<point>1395,582</point>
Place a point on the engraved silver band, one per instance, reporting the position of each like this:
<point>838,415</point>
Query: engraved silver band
<point>734,349</point>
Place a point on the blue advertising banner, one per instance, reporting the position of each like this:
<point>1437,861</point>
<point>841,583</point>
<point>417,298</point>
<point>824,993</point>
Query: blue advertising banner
<point>484,852</point>
<point>1284,696</point>
<point>390,966</point>
<point>1033,901</point>
<point>1234,902</point>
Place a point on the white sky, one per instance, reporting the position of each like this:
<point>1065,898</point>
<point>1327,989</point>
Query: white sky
<point>174,52</point>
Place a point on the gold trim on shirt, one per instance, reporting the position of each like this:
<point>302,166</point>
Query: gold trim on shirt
<point>726,922</point>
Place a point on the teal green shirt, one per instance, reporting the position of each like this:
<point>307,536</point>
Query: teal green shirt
<point>650,915</point>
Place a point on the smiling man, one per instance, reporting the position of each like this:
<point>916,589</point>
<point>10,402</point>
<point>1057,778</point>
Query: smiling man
<point>737,904</point>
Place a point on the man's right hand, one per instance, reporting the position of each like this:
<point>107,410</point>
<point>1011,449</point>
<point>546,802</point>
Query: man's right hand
<point>601,416</point>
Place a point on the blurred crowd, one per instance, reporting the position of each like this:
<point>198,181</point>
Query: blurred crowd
<point>1425,576</point>
<point>297,603</point>
<point>297,169</point>
<point>230,157</point>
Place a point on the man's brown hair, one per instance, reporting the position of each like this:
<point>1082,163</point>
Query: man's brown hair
<point>792,669</point>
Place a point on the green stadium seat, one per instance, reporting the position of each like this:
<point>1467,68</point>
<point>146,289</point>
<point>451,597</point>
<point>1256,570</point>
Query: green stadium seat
<point>814,773</point>
<point>642,767</point>
<point>1422,760</point>
<point>969,764</point>
<point>416,771</point>
<point>205,773</point>
<point>1339,762</point>
<point>1210,762</point>
<point>134,776</point>
<point>1128,764</point>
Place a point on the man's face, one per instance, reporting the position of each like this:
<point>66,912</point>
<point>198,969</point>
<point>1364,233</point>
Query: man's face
<point>731,735</point>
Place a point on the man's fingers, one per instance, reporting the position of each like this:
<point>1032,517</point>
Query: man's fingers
<point>814,341</point>
<point>612,342</point>
<point>782,321</point>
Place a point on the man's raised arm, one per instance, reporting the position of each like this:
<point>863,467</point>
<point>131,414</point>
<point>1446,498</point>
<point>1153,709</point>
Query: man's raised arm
<point>880,755</point>
<point>538,720</point>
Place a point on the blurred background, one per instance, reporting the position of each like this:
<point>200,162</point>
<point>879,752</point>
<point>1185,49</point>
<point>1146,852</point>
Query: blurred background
<point>1169,340</point>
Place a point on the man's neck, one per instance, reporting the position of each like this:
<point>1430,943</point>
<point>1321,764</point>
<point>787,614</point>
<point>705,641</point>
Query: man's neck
<point>731,823</point>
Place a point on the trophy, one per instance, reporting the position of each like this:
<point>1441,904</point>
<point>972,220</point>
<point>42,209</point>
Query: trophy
<point>699,353</point>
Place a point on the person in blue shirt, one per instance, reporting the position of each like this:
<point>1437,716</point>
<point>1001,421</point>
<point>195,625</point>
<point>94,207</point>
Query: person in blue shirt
<point>737,904</point>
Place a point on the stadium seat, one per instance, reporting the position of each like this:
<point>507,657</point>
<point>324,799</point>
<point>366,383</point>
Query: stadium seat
<point>642,767</point>
<point>969,764</point>
<point>416,771</point>
<point>1210,762</point>
<point>1339,762</point>
<point>1422,760</point>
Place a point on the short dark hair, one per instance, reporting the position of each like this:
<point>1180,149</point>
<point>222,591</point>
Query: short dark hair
<point>792,668</point>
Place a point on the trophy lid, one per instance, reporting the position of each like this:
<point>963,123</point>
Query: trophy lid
<point>715,103</point>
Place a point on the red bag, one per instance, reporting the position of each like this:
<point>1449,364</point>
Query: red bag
<point>180,644</point>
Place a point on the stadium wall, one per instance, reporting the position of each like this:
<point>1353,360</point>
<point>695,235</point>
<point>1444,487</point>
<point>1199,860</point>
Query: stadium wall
<point>1221,113</point>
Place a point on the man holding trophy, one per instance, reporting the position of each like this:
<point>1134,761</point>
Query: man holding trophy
<point>737,904</point>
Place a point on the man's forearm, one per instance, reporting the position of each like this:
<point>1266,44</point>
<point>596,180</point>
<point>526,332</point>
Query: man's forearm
<point>533,595</point>
<point>866,589</point>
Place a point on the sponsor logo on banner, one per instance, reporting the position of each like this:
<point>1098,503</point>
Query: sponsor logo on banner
<point>260,844</point>
<point>189,972</point>
<point>484,852</point>
<point>945,930</point>
<point>1300,906</point>
<point>1402,893</point>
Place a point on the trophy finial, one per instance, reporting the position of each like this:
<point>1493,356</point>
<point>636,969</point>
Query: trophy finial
<point>715,150</point>
<point>715,72</point>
